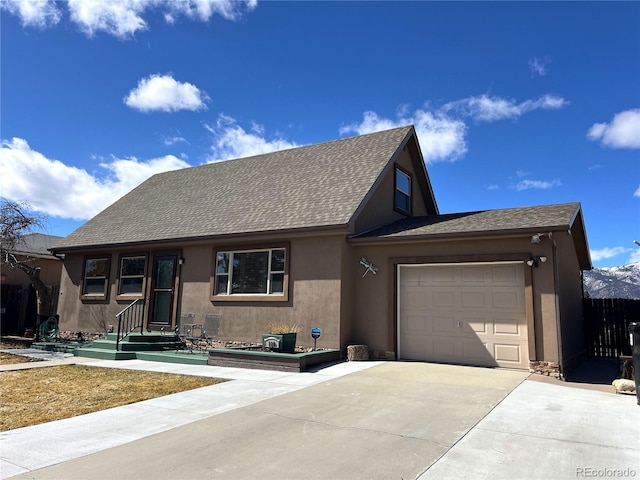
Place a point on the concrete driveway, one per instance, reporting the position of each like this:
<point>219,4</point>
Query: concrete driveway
<point>372,420</point>
<point>390,421</point>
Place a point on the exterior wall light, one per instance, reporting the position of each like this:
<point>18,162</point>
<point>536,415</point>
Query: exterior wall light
<point>535,261</point>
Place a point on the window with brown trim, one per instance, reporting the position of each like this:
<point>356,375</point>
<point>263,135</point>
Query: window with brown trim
<point>402,200</point>
<point>132,275</point>
<point>95,277</point>
<point>257,274</point>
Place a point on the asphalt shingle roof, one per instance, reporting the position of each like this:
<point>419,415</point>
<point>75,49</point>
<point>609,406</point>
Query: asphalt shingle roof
<point>37,244</point>
<point>540,218</point>
<point>312,186</point>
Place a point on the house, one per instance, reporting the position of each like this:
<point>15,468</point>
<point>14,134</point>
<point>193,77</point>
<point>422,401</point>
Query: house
<point>346,236</point>
<point>18,311</point>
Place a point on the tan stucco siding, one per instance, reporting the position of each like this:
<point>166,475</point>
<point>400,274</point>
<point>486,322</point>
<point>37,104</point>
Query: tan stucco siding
<point>85,316</point>
<point>379,209</point>
<point>375,296</point>
<point>570,296</point>
<point>315,293</point>
<point>50,270</point>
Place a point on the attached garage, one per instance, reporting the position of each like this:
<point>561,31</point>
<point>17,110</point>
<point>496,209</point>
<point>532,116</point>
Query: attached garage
<point>471,313</point>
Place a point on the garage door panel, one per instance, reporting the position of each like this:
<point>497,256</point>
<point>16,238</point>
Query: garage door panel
<point>474,299</point>
<point>442,299</point>
<point>467,313</point>
<point>507,327</point>
<point>510,275</point>
<point>415,346</point>
<point>444,348</point>
<point>414,297</point>
<point>476,353</point>
<point>507,353</point>
<point>508,299</point>
<point>415,323</point>
<point>474,327</point>
<point>442,324</point>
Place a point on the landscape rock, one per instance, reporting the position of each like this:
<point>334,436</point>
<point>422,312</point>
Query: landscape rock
<point>624,385</point>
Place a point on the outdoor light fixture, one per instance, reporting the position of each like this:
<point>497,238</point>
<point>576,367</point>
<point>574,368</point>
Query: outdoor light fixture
<point>536,238</point>
<point>535,261</point>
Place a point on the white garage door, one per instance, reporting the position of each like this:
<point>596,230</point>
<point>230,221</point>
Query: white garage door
<point>471,314</point>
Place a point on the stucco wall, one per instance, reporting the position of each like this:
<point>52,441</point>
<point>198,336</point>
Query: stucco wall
<point>570,290</point>
<point>85,316</point>
<point>375,295</point>
<point>315,293</point>
<point>49,273</point>
<point>379,210</point>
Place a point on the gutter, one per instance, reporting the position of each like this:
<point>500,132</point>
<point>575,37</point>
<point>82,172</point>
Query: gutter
<point>254,237</point>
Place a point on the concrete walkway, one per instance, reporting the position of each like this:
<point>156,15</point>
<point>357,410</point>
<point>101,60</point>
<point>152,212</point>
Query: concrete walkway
<point>370,420</point>
<point>31,448</point>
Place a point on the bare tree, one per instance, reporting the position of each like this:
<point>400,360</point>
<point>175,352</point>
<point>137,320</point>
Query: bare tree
<point>15,223</point>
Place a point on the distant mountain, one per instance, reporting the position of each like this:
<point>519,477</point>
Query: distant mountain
<point>613,282</point>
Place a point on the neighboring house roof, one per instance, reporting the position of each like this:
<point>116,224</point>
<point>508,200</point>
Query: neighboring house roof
<point>37,245</point>
<point>319,185</point>
<point>524,220</point>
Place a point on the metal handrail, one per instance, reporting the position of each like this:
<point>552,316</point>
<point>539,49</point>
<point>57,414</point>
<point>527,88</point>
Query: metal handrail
<point>129,319</point>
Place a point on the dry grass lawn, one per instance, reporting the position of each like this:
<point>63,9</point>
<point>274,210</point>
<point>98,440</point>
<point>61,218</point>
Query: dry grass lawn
<point>7,358</point>
<point>38,395</point>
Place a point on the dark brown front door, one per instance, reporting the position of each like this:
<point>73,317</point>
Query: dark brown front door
<point>162,290</point>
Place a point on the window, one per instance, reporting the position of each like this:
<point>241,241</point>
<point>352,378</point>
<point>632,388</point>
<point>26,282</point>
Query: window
<point>132,270</point>
<point>403,192</point>
<point>250,272</point>
<point>96,277</point>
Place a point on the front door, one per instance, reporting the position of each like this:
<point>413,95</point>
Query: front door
<point>162,290</point>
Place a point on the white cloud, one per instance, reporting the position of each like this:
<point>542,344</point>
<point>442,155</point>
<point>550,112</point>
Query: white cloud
<point>442,131</point>
<point>203,10</point>
<point>489,109</point>
<point>441,137</point>
<point>169,141</point>
<point>64,191</point>
<point>539,66</point>
<point>622,132</point>
<point>164,93</point>
<point>33,13</point>
<point>635,256</point>
<point>233,141</point>
<point>536,184</point>
<point>637,193</point>
<point>609,252</point>
<point>122,18</point>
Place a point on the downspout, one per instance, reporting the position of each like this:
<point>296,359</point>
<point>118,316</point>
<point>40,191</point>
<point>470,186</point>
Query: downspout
<point>556,282</point>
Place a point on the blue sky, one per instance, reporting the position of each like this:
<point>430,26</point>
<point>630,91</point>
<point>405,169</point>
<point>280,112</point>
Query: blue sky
<point>515,104</point>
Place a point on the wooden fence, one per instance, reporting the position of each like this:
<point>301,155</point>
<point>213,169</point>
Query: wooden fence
<point>606,322</point>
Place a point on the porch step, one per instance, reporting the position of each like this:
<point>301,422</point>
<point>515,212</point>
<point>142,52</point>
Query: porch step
<point>69,347</point>
<point>103,354</point>
<point>138,345</point>
<point>174,357</point>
